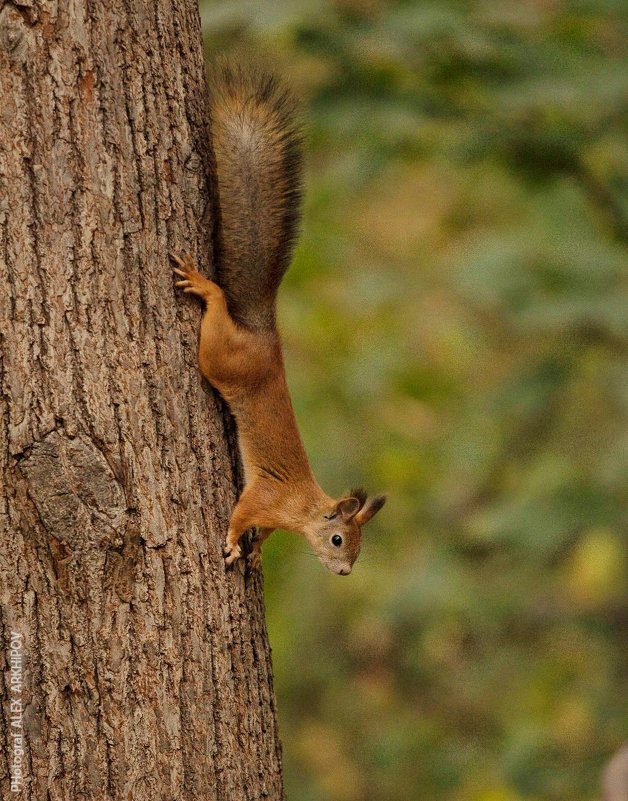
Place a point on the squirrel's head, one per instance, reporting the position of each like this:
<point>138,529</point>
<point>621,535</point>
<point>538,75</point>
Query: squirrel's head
<point>336,534</point>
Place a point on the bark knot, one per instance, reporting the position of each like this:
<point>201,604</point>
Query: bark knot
<point>15,36</point>
<point>77,496</point>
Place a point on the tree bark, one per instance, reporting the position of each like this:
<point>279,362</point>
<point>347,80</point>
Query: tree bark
<point>133,665</point>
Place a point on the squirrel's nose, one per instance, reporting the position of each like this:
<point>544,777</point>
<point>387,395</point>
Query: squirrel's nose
<point>344,571</point>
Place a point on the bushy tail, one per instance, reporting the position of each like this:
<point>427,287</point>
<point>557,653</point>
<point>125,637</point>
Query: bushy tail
<point>257,146</point>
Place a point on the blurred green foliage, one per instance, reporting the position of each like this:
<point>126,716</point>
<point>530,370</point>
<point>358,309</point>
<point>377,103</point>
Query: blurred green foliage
<point>456,327</point>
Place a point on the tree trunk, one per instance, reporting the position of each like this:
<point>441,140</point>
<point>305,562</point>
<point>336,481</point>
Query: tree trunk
<point>134,666</point>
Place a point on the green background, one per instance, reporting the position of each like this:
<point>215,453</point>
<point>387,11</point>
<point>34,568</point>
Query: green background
<point>456,330</point>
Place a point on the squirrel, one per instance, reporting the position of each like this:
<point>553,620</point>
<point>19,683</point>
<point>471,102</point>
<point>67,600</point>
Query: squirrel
<point>257,146</point>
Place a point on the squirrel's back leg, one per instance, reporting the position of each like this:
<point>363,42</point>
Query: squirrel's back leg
<point>219,335</point>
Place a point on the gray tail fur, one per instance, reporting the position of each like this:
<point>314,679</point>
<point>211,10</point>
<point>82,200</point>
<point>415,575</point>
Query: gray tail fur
<point>258,150</point>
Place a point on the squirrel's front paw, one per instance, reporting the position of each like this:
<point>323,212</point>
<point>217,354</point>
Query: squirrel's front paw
<point>232,553</point>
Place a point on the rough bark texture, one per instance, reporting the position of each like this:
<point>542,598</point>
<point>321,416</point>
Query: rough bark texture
<point>146,665</point>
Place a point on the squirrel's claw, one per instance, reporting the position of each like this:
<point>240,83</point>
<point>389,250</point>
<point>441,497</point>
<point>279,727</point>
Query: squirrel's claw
<point>186,263</point>
<point>192,281</point>
<point>232,554</point>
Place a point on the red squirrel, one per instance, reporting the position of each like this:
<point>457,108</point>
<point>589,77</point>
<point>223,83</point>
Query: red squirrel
<point>258,150</point>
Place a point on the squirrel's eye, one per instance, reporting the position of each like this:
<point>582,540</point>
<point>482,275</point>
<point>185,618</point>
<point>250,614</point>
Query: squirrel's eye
<point>336,540</point>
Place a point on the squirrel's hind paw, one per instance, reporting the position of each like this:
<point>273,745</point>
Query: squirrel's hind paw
<point>192,281</point>
<point>186,263</point>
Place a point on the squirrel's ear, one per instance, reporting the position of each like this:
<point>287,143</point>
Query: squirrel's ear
<point>370,508</point>
<point>346,508</point>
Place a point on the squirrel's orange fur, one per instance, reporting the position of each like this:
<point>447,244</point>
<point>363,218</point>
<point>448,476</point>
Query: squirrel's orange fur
<point>258,158</point>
